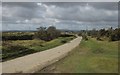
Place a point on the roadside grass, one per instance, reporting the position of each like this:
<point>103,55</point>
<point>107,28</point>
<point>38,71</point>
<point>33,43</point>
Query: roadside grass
<point>28,43</point>
<point>51,44</point>
<point>18,48</point>
<point>90,56</point>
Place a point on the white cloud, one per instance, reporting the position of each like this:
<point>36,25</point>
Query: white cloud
<point>26,21</point>
<point>39,4</point>
<point>18,21</point>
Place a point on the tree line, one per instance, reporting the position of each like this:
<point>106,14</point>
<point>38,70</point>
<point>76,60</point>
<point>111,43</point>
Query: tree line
<point>42,33</point>
<point>110,33</point>
<point>17,37</point>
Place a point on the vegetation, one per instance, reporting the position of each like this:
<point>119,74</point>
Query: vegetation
<point>47,34</point>
<point>52,43</point>
<point>90,56</point>
<point>84,35</point>
<point>43,33</point>
<point>13,49</point>
<point>16,44</point>
<point>111,34</point>
<point>17,36</point>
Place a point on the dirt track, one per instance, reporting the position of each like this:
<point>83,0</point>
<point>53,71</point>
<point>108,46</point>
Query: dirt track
<point>34,62</point>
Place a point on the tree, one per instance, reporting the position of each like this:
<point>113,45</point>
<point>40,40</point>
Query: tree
<point>47,34</point>
<point>53,32</point>
<point>41,33</point>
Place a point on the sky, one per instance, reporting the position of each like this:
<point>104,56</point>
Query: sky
<point>62,15</point>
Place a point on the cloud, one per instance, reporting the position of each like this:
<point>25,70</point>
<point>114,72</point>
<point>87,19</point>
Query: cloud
<point>97,5</point>
<point>82,13</point>
<point>0,16</point>
<point>19,11</point>
<point>61,14</point>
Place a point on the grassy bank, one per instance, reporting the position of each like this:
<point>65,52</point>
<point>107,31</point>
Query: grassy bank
<point>14,49</point>
<point>90,56</point>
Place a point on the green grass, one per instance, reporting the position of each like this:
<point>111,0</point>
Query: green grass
<point>52,43</point>
<point>28,43</point>
<point>90,56</point>
<point>18,48</point>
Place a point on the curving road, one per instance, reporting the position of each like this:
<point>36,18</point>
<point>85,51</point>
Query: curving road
<point>34,62</point>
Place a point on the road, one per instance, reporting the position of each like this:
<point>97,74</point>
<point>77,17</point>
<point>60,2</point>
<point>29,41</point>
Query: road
<point>34,62</point>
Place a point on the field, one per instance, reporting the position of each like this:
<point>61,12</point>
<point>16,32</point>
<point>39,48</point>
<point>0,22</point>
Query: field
<point>15,48</point>
<point>90,56</point>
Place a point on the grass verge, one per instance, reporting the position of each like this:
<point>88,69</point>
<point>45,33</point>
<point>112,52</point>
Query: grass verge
<point>90,56</point>
<point>18,48</point>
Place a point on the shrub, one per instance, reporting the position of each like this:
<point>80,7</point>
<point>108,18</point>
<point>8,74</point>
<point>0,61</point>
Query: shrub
<point>114,37</point>
<point>85,37</point>
<point>65,35</point>
<point>47,34</point>
<point>17,37</point>
<point>99,39</point>
<point>12,51</point>
<point>63,41</point>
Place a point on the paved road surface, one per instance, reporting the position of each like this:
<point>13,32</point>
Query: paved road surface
<point>34,62</point>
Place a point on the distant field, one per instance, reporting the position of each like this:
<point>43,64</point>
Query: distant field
<point>90,56</point>
<point>16,48</point>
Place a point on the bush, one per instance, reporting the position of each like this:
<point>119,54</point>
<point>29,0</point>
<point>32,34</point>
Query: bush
<point>114,37</point>
<point>65,35</point>
<point>47,34</point>
<point>85,37</point>
<point>99,39</point>
<point>63,41</point>
<point>12,48</point>
<point>12,51</point>
<point>79,34</point>
<point>17,37</point>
